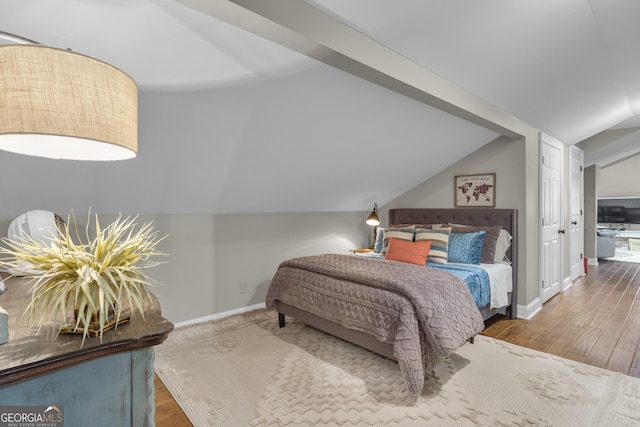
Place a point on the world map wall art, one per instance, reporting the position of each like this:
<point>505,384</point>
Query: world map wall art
<point>475,190</point>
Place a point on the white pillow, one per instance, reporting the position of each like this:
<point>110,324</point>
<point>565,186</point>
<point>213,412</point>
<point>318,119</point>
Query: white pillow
<point>503,244</point>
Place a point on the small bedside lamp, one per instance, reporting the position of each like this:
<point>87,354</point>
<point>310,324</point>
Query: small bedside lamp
<point>374,221</point>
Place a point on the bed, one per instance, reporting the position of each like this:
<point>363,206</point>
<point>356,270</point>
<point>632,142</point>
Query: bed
<point>506,218</point>
<point>415,314</point>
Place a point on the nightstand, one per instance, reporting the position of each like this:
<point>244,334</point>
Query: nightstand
<point>360,250</point>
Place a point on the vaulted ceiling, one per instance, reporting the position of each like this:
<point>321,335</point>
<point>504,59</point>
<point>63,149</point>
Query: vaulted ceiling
<point>280,106</point>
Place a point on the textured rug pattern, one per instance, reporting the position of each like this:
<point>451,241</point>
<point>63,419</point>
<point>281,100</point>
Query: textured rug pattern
<point>625,255</point>
<point>245,371</point>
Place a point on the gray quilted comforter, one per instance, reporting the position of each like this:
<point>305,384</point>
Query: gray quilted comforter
<point>425,313</point>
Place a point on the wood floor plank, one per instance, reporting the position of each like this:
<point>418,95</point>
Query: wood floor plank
<point>496,328</point>
<point>512,333</point>
<point>556,330</point>
<point>635,364</point>
<point>574,356</point>
<point>605,310</point>
<point>620,361</point>
<point>528,336</point>
<point>168,412</point>
<point>601,351</point>
<point>539,346</point>
<point>563,343</point>
<point>634,312</point>
<point>585,341</point>
<point>583,319</point>
<point>629,337</point>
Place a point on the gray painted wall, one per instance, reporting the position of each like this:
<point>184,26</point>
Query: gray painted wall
<point>249,248</point>
<point>620,179</point>
<point>591,175</point>
<point>210,255</point>
<point>505,157</point>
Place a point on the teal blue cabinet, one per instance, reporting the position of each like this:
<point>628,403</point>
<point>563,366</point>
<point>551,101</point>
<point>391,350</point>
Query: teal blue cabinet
<point>114,390</point>
<point>101,382</point>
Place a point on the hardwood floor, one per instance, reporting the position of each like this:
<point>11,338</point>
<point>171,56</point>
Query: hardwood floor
<point>168,412</point>
<point>596,321</point>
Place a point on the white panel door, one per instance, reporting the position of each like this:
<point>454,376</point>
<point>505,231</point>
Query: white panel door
<point>576,234</point>
<point>551,229</point>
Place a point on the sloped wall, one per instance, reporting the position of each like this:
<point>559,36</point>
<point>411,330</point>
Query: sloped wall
<point>620,179</point>
<point>505,157</point>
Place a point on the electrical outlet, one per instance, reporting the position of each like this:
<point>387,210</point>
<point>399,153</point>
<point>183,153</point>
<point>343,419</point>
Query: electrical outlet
<point>244,287</point>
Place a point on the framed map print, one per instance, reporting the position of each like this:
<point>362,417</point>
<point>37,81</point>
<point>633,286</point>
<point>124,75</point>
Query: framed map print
<point>475,190</point>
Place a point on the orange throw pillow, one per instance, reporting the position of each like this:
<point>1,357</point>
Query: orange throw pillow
<point>411,252</point>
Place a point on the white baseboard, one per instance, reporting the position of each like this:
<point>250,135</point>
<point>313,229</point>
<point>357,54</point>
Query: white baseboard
<point>526,312</point>
<point>530,310</point>
<point>217,316</point>
<point>592,261</point>
<point>567,283</point>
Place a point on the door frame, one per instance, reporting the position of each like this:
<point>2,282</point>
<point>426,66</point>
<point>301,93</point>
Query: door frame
<point>546,139</point>
<point>576,190</point>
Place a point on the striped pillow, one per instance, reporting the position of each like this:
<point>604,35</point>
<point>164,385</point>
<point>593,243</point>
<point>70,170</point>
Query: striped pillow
<point>396,233</point>
<point>439,239</point>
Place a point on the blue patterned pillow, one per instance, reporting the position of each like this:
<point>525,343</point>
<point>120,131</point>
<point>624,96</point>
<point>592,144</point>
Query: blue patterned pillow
<point>466,248</point>
<point>377,245</point>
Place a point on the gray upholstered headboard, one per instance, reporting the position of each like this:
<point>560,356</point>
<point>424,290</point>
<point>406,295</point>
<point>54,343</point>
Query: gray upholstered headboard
<point>507,218</point>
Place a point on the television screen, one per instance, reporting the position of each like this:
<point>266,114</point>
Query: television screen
<point>619,211</point>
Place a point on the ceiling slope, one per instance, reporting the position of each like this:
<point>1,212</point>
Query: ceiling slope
<point>569,68</point>
<point>259,116</point>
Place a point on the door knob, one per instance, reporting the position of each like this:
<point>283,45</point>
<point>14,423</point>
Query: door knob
<point>561,231</point>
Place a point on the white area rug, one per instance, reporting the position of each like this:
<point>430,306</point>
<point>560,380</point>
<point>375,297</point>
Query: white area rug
<point>245,371</point>
<point>625,255</point>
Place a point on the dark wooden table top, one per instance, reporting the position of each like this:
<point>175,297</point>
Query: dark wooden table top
<point>32,351</point>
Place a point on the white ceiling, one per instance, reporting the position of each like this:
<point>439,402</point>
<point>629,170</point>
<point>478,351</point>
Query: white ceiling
<point>230,122</point>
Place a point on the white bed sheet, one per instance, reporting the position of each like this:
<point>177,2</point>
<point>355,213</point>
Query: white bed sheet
<point>501,283</point>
